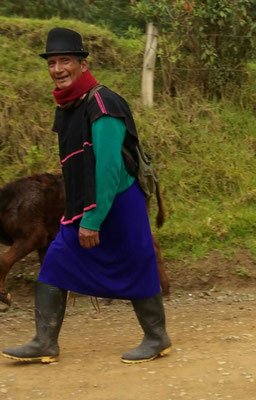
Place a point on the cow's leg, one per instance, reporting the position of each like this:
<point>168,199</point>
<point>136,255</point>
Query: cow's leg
<point>41,254</point>
<point>164,281</point>
<point>19,250</point>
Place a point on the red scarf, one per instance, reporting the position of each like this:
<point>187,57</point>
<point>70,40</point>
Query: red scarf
<point>82,85</point>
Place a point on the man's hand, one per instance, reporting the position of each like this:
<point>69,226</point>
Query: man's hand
<point>88,238</point>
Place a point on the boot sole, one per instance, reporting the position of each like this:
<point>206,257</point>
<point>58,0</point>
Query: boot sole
<point>162,353</point>
<point>43,359</point>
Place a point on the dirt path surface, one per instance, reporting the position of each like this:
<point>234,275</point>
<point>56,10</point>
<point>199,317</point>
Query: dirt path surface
<point>210,316</point>
<point>213,356</point>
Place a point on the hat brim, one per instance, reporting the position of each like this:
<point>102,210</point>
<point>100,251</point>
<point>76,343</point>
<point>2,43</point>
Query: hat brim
<point>55,53</point>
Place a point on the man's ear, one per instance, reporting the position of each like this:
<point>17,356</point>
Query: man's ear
<point>84,65</point>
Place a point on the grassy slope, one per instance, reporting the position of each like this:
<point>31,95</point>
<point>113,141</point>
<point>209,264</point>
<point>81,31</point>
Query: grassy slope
<point>204,151</point>
<point>26,104</point>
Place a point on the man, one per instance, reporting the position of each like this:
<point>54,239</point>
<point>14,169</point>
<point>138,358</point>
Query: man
<point>104,247</point>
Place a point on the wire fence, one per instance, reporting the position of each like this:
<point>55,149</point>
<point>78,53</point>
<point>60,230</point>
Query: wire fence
<point>238,70</point>
<point>249,36</point>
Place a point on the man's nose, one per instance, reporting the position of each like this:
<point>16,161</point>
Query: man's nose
<point>58,67</point>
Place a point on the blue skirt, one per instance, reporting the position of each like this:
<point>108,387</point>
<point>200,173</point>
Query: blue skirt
<point>122,266</point>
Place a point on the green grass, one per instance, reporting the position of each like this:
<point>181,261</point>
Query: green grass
<point>204,151</point>
<point>206,163</point>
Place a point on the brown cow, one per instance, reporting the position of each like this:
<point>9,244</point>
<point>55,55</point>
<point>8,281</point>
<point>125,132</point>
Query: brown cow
<point>30,212</point>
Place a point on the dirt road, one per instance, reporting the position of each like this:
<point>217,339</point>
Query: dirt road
<point>213,356</point>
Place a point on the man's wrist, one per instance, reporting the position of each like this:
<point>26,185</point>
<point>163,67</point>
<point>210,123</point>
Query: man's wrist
<point>92,227</point>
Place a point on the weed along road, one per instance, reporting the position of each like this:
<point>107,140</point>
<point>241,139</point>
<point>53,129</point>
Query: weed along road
<point>213,355</point>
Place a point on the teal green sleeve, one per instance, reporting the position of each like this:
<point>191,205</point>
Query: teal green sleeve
<point>111,177</point>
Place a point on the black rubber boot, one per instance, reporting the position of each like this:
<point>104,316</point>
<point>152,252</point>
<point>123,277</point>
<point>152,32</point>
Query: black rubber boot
<point>50,305</point>
<point>156,342</point>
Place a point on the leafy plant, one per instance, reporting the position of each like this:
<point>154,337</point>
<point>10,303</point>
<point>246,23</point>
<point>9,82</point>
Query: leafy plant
<point>35,160</point>
<point>44,8</point>
<point>203,42</point>
<point>242,271</point>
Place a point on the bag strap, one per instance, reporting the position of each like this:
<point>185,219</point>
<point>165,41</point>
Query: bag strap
<point>141,154</point>
<point>93,91</point>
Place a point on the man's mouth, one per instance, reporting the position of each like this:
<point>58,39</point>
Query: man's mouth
<point>62,78</point>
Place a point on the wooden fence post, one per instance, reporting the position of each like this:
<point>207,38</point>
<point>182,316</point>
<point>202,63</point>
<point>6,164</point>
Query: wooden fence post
<point>147,87</point>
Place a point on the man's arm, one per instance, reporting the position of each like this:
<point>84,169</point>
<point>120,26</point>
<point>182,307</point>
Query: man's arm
<point>108,134</point>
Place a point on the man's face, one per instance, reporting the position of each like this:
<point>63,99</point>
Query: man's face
<point>65,69</point>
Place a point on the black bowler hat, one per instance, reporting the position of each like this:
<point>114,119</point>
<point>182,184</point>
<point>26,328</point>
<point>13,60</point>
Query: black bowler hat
<point>63,41</point>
